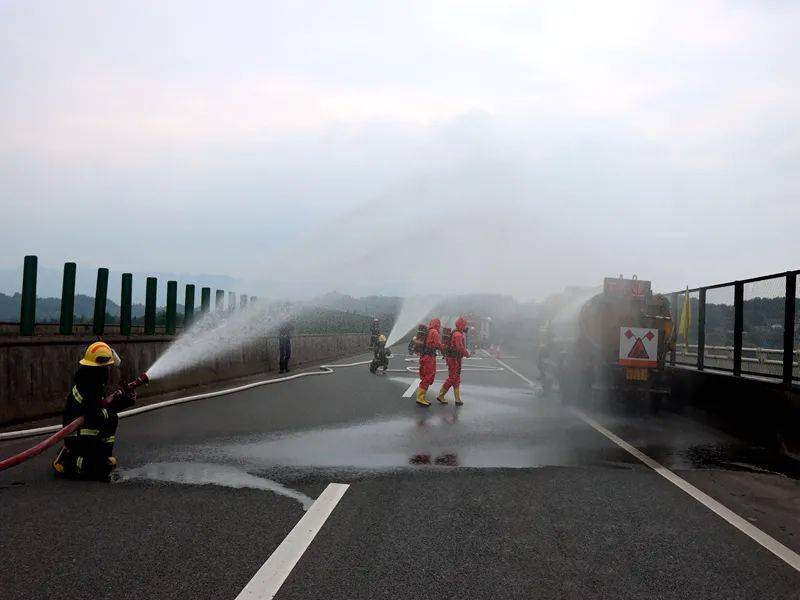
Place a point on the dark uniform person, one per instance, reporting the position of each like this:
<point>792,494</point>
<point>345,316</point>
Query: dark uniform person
<point>381,355</point>
<point>374,332</point>
<point>285,344</point>
<point>88,452</point>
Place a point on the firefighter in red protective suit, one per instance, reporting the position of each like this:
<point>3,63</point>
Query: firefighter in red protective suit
<point>454,353</point>
<point>427,361</point>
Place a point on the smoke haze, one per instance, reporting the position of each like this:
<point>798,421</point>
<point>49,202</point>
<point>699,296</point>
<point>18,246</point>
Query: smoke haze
<point>409,148</point>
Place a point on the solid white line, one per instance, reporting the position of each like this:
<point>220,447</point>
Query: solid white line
<point>788,556</point>
<point>411,389</point>
<point>785,554</point>
<point>270,577</point>
<point>324,370</point>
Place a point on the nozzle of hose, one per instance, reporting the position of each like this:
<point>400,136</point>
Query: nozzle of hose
<point>126,388</point>
<point>142,379</point>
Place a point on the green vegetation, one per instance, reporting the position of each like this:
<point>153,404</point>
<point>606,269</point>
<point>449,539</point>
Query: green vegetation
<point>762,323</point>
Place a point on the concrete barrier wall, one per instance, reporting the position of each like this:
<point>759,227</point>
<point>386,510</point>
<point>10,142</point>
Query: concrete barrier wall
<point>755,408</point>
<point>36,372</point>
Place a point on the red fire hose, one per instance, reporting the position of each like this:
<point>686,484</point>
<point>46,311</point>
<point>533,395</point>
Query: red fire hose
<point>60,435</point>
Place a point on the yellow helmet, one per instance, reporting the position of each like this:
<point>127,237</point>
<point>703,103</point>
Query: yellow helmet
<point>99,354</point>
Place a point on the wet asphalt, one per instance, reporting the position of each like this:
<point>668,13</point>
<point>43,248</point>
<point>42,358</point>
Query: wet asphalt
<point>509,496</point>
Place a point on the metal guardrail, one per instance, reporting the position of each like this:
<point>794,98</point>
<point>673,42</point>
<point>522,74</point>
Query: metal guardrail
<point>779,363</point>
<point>27,321</point>
<point>760,354</point>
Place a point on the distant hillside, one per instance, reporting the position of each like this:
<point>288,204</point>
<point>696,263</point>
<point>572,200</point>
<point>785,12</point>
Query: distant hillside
<point>332,312</point>
<point>48,310</point>
<point>325,320</point>
<point>368,305</point>
<point>312,319</point>
<point>513,323</point>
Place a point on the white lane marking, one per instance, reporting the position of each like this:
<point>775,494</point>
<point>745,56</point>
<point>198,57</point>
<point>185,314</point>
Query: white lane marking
<point>411,389</point>
<point>517,373</point>
<point>438,370</point>
<point>465,358</point>
<point>785,554</point>
<point>324,370</point>
<point>270,577</point>
<point>788,556</point>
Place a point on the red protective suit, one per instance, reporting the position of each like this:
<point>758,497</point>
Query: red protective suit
<point>458,352</point>
<point>427,360</point>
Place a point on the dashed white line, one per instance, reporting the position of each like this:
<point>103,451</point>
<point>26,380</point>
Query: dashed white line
<point>270,577</point>
<point>515,372</point>
<point>411,389</point>
<point>787,555</point>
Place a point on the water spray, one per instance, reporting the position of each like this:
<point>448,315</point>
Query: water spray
<point>414,310</point>
<point>123,389</point>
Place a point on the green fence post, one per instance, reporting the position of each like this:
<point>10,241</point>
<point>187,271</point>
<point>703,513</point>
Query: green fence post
<point>27,311</point>
<point>243,301</point>
<point>205,299</point>
<point>100,296</point>
<point>150,306</point>
<point>172,301</point>
<point>219,303</point>
<point>67,299</point>
<point>125,302</point>
<point>188,306</point>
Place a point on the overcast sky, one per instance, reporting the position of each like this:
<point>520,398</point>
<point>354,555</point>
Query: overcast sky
<point>453,146</point>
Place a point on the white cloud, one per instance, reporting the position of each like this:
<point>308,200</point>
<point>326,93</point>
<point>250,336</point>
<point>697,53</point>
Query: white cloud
<point>581,125</point>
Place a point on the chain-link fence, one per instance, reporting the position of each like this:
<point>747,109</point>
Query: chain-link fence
<point>719,325</point>
<point>762,326</point>
<point>749,327</point>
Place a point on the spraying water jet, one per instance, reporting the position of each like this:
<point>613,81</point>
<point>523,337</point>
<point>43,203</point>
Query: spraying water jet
<point>414,310</point>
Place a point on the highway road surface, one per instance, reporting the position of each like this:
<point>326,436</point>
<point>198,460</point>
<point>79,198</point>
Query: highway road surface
<point>339,486</point>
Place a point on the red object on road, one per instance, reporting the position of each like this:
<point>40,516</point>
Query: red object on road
<point>427,361</point>
<point>61,434</point>
<point>458,351</point>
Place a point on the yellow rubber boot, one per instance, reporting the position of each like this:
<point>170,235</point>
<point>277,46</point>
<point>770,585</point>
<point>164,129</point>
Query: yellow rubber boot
<point>457,394</point>
<point>422,400</point>
<point>441,396</point>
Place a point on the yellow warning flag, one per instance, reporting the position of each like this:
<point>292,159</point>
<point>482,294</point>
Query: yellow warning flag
<point>686,319</point>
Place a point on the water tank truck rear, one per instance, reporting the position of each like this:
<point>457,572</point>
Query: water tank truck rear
<point>619,347</point>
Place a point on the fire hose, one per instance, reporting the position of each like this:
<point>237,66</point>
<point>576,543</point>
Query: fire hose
<point>71,427</point>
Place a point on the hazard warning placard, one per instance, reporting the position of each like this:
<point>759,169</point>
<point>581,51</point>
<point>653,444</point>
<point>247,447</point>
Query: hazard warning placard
<point>638,347</point>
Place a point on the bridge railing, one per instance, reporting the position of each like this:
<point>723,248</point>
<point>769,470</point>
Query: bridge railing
<point>67,326</point>
<point>748,328</point>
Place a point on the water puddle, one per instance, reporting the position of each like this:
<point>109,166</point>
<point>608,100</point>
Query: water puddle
<point>195,473</point>
<point>497,427</point>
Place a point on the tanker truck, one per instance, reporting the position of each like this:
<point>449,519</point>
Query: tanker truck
<point>611,345</point>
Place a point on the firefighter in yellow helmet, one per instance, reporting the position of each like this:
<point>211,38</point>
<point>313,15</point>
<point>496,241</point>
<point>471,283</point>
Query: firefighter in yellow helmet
<point>88,452</point>
<point>381,354</point>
